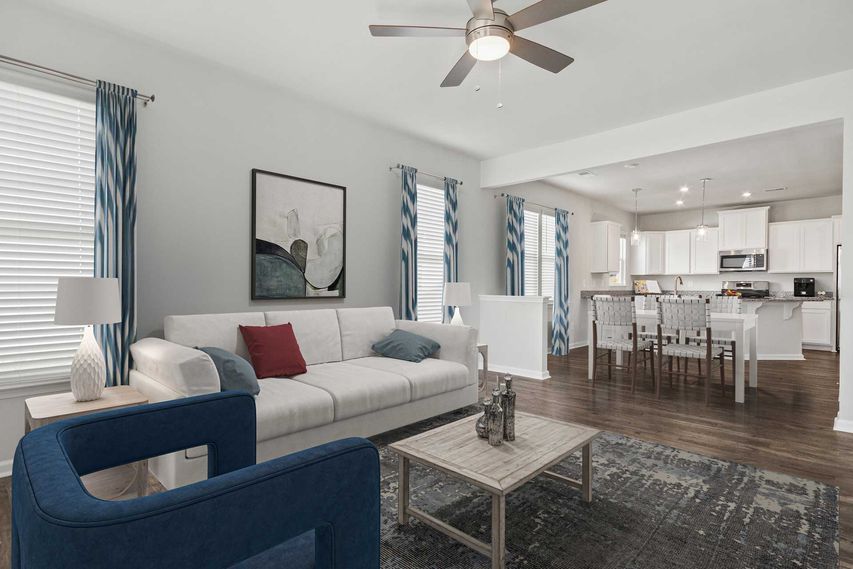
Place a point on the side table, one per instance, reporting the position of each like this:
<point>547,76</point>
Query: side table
<point>40,411</point>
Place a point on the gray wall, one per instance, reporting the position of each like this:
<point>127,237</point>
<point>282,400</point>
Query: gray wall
<point>197,145</point>
<point>788,210</point>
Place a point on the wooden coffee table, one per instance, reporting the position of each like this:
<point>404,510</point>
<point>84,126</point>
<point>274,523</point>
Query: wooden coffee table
<point>456,449</point>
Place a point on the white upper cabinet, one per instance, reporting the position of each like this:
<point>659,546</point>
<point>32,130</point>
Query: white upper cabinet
<point>677,252</point>
<point>817,245</point>
<point>743,229</point>
<point>605,247</point>
<point>784,251</point>
<point>704,254</point>
<point>647,257</point>
<point>801,246</point>
<point>836,229</point>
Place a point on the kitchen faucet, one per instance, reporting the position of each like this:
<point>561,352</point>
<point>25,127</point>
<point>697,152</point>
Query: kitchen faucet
<point>678,280</point>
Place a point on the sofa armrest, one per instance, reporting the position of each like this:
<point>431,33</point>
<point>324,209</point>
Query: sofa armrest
<point>242,510</point>
<point>182,369</point>
<point>458,343</point>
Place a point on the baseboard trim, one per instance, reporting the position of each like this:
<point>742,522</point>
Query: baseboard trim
<point>5,468</point>
<point>843,425</point>
<point>781,357</point>
<point>528,373</point>
<point>574,345</point>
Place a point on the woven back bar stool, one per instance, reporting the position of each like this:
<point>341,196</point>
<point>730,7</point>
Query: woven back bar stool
<point>614,327</point>
<point>687,318</point>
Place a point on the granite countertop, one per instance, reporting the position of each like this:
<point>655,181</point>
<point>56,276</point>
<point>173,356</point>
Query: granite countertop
<point>774,297</point>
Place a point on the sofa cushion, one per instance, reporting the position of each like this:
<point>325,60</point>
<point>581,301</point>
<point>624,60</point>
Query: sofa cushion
<point>402,345</point>
<point>286,406</point>
<point>316,331</point>
<point>427,378</point>
<point>235,373</point>
<point>216,330</point>
<point>363,327</point>
<point>274,350</point>
<point>355,389</point>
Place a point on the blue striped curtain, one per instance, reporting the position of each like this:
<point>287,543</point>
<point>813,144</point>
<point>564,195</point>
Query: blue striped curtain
<point>409,245</point>
<point>514,246</point>
<point>115,218</point>
<point>560,319</point>
<point>451,238</point>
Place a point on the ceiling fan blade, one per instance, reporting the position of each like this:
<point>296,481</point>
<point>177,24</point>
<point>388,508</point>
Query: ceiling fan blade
<point>416,32</point>
<point>547,10</point>
<point>539,55</point>
<point>482,9</point>
<point>460,71</point>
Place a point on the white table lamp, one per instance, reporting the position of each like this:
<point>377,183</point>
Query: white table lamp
<point>456,295</point>
<point>87,301</point>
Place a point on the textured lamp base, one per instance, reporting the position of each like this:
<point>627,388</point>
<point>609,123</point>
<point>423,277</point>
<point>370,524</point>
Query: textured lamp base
<point>457,317</point>
<point>88,370</point>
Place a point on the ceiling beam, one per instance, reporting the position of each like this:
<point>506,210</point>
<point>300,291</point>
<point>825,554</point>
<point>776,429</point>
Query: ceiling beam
<point>798,104</point>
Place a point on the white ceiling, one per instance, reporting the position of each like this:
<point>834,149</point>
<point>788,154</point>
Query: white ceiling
<point>635,60</point>
<point>807,161</point>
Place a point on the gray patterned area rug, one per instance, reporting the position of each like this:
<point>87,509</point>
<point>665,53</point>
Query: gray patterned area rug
<point>653,506</point>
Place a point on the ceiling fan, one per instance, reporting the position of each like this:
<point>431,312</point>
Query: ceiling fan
<point>490,35</point>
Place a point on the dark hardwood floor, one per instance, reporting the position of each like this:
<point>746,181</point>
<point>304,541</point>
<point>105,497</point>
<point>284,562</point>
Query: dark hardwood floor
<point>786,425</point>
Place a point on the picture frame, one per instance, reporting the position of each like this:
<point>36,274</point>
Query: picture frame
<point>298,246</point>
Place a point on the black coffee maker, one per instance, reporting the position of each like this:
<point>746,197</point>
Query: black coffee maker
<point>804,286</point>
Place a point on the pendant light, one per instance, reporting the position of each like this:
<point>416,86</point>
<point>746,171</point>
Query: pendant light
<point>702,229</point>
<point>635,235</point>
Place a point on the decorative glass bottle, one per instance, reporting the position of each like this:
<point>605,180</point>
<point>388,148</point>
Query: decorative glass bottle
<point>496,420</point>
<point>483,422</point>
<point>508,405</point>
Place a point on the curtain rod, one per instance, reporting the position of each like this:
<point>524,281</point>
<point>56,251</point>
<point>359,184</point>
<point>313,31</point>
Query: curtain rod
<point>496,196</point>
<point>436,176</point>
<point>62,75</point>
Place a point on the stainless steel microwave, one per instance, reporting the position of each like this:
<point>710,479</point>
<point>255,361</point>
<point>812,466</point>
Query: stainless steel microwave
<point>743,261</point>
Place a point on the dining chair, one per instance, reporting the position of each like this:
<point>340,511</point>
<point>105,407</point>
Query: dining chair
<point>614,327</point>
<point>687,318</point>
<point>727,305</point>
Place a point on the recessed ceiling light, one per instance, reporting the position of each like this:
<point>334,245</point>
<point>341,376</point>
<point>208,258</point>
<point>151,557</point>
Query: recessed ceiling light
<point>632,165</point>
<point>684,189</point>
<point>746,194</point>
<point>679,202</point>
<point>586,173</point>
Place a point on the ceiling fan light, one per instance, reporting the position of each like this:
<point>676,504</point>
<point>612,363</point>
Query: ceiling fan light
<point>489,48</point>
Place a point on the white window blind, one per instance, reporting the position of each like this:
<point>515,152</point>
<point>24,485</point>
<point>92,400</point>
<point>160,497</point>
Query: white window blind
<point>539,253</point>
<point>47,195</point>
<point>430,253</point>
<point>531,253</point>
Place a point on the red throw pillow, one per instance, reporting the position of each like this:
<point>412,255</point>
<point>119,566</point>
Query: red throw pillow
<point>273,350</point>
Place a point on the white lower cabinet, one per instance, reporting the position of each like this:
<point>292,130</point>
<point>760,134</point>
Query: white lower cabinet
<point>817,323</point>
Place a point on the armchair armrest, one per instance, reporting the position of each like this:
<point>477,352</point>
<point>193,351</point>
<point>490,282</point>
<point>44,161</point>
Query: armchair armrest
<point>182,369</point>
<point>458,343</point>
<point>242,511</point>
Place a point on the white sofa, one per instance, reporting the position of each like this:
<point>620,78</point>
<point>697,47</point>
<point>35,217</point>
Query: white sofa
<point>348,389</point>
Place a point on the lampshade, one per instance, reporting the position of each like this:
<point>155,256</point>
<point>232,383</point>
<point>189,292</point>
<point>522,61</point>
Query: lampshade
<point>457,294</point>
<point>87,300</point>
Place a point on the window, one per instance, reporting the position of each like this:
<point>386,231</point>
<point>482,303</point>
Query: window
<point>539,253</point>
<point>47,202</point>
<point>430,254</point>
<point>618,279</point>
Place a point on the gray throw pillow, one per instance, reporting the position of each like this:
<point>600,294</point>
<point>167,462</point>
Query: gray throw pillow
<point>234,372</point>
<point>402,345</point>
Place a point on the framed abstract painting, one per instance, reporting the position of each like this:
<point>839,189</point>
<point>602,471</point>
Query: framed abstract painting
<point>298,238</point>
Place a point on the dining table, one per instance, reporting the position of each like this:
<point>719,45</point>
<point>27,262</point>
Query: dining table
<point>742,328</point>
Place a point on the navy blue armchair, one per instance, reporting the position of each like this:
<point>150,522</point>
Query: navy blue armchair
<point>315,508</point>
